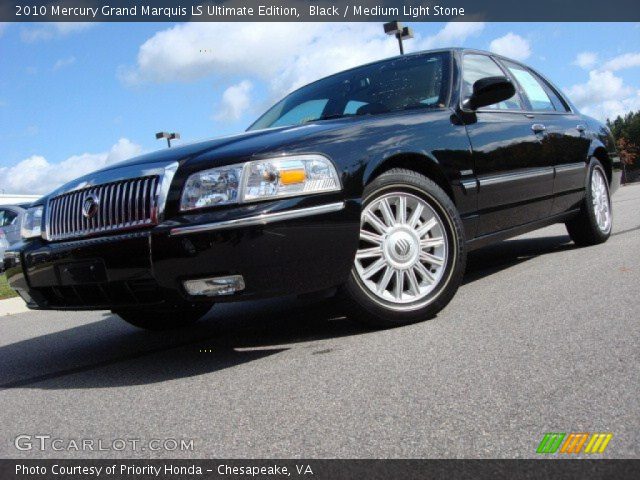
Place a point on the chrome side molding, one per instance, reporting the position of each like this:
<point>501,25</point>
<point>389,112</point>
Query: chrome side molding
<point>261,219</point>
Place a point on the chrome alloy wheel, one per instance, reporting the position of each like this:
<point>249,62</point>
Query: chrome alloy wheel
<point>600,199</point>
<point>403,248</point>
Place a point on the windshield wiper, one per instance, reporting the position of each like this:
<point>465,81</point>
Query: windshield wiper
<point>329,117</point>
<point>416,106</point>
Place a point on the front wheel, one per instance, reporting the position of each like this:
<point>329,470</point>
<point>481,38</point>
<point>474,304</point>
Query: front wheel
<point>593,224</point>
<point>411,256</point>
<point>163,319</point>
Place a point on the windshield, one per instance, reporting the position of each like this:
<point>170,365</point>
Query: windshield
<point>417,81</point>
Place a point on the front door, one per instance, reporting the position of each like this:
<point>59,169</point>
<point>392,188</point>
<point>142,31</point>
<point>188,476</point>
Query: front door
<point>515,179</point>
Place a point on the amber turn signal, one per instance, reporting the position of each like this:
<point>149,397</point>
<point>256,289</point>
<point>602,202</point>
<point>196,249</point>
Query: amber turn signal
<point>289,177</point>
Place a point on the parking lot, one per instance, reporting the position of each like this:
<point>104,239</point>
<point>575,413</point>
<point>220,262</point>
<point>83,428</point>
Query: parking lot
<point>542,337</point>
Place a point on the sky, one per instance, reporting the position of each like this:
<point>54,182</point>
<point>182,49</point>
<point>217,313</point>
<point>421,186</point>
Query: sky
<point>75,97</point>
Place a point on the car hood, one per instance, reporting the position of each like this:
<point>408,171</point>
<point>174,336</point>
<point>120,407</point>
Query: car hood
<point>226,150</point>
<point>240,145</point>
<point>218,151</point>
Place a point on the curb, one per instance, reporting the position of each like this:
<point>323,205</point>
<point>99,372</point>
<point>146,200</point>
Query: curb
<point>12,306</point>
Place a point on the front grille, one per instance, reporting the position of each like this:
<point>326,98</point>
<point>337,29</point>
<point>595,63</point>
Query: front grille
<point>107,295</point>
<point>110,207</point>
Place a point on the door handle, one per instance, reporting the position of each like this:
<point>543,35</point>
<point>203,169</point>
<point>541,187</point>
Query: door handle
<point>538,127</point>
<point>581,128</point>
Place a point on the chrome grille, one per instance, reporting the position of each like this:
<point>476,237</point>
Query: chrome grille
<point>109,207</point>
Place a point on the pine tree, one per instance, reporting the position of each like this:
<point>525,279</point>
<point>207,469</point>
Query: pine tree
<point>626,131</point>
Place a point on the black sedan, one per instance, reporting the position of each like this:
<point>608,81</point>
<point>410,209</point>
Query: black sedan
<point>373,183</point>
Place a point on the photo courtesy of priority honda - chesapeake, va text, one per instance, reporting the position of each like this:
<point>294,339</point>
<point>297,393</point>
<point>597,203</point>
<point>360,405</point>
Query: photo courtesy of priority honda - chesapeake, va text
<point>371,184</point>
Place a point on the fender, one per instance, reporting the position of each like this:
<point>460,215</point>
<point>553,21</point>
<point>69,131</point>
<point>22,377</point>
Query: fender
<point>394,158</point>
<point>436,147</point>
<point>448,179</point>
<point>603,147</point>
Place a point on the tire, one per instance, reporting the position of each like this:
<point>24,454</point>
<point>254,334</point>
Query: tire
<point>163,319</point>
<point>593,224</point>
<point>410,243</point>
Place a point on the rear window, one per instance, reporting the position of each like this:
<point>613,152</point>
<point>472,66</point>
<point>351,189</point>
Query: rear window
<point>540,94</point>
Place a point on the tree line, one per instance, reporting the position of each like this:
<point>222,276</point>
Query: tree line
<point>626,131</point>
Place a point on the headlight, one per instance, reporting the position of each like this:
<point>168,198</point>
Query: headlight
<point>260,180</point>
<point>218,186</point>
<point>32,223</point>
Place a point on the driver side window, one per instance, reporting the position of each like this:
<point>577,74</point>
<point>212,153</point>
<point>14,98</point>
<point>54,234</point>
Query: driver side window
<point>475,67</point>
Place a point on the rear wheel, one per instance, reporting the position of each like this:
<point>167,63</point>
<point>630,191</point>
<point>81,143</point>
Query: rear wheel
<point>411,256</point>
<point>593,224</point>
<point>163,319</point>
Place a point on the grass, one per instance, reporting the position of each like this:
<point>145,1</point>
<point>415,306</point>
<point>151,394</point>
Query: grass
<point>5,291</point>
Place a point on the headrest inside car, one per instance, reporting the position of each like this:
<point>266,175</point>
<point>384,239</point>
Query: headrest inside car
<point>371,108</point>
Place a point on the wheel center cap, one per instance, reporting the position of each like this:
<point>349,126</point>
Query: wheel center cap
<point>401,248</point>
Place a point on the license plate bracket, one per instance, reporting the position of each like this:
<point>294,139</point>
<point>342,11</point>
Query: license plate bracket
<point>82,273</point>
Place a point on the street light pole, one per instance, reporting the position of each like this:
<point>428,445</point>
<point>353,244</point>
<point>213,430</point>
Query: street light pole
<point>399,37</point>
<point>401,33</point>
<point>168,136</point>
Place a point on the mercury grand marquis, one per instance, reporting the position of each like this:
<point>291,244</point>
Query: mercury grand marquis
<point>372,184</point>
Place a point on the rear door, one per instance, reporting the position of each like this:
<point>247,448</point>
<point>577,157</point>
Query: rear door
<point>564,140</point>
<point>515,179</point>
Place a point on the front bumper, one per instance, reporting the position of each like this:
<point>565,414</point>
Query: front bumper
<point>287,247</point>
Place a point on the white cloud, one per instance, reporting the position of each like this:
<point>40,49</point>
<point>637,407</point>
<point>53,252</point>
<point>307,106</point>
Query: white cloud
<point>64,62</point>
<point>36,175</point>
<point>612,108</point>
<point>235,101</point>
<point>586,60</point>
<point>628,60</point>
<point>49,31</point>
<point>454,34</point>
<point>604,95</point>
<point>511,46</point>
<point>284,55</point>
<point>601,86</point>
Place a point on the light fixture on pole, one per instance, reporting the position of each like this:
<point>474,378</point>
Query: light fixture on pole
<point>401,33</point>
<point>168,136</point>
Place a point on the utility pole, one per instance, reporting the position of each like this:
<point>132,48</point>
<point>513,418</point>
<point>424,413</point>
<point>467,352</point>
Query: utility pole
<point>401,33</point>
<point>168,136</point>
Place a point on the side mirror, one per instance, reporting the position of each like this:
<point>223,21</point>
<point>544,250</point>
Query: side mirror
<point>489,90</point>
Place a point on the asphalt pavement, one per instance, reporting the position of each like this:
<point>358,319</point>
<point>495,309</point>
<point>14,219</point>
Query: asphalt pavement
<point>542,337</point>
